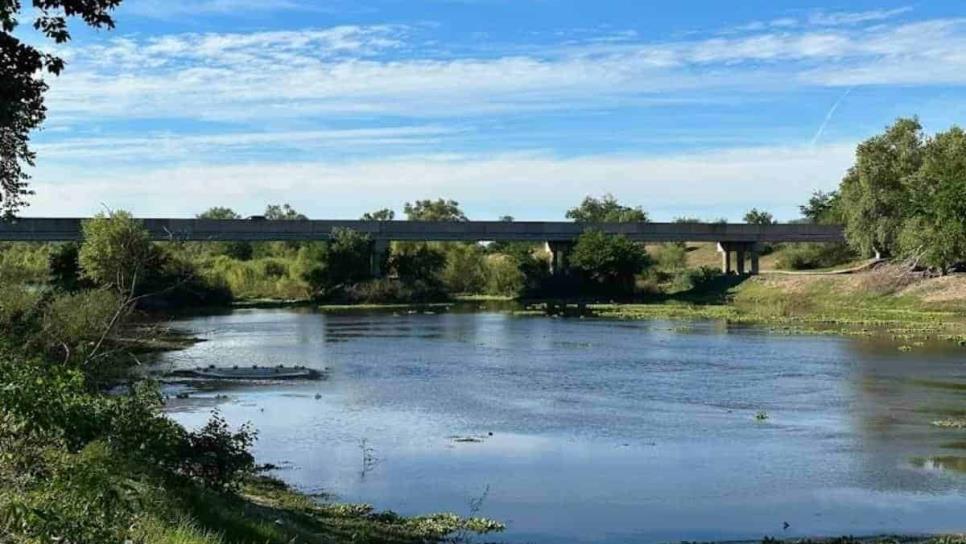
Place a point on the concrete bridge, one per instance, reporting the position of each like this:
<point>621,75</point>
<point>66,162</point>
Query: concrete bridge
<point>741,240</point>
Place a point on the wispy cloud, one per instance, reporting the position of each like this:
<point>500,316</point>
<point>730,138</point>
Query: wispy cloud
<point>844,18</point>
<point>535,186</point>
<point>169,9</point>
<point>380,70</point>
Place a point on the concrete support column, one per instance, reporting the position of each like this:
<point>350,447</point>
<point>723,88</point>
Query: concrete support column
<point>754,259</point>
<point>559,253</point>
<point>725,250</point>
<point>377,257</point>
<point>741,260</point>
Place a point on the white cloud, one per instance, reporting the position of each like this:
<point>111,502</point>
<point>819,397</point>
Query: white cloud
<point>519,184</point>
<point>843,18</point>
<point>355,70</point>
<point>169,9</point>
<point>219,147</point>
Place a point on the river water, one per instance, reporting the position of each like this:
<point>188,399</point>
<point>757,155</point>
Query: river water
<point>582,430</point>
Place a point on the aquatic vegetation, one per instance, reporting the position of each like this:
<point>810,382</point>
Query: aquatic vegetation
<point>761,415</point>
<point>950,423</point>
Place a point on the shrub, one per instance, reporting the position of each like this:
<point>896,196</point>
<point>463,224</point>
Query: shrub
<point>807,256</point>
<point>503,276</point>
<point>695,279</point>
<point>216,456</point>
<point>465,270</point>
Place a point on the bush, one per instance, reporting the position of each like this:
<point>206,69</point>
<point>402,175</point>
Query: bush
<point>394,291</point>
<point>465,270</point>
<point>503,276</point>
<point>695,279</point>
<point>74,322</point>
<point>23,263</point>
<point>216,456</point>
<point>608,262</point>
<point>807,256</point>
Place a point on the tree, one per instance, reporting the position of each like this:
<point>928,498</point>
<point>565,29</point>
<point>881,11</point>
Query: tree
<point>465,270</point>
<point>384,214</point>
<point>22,86</point>
<point>218,212</point>
<point>609,261</point>
<point>434,210</point>
<point>759,217</point>
<point>117,252</point>
<point>344,260</point>
<point>935,230</point>
<point>285,212</point>
<point>822,208</point>
<point>606,210</point>
<point>875,191</point>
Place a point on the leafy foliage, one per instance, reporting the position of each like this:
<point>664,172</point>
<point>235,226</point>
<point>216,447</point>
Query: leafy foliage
<point>434,210</point>
<point>609,261</point>
<point>384,214</point>
<point>117,251</point>
<point>759,217</point>
<point>606,210</point>
<point>875,191</point>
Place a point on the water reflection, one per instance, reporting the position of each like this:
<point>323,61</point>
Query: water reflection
<point>600,430</point>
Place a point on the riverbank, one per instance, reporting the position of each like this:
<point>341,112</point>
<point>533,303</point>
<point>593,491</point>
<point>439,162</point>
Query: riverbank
<point>267,511</point>
<point>886,302</point>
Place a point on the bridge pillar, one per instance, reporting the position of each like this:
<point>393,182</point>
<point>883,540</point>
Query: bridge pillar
<point>377,257</point>
<point>742,251</point>
<point>725,260</point>
<point>559,253</point>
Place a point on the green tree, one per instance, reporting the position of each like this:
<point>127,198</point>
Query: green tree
<point>822,208</point>
<point>465,270</point>
<point>22,86</point>
<point>606,210</point>
<point>875,191</point>
<point>117,252</point>
<point>338,263</point>
<point>609,261</point>
<point>384,214</point>
<point>759,217</point>
<point>935,230</point>
<point>218,212</point>
<point>284,212</point>
<point>434,210</point>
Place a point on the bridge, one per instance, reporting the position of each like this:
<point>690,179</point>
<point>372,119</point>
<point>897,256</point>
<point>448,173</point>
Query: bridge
<point>741,240</point>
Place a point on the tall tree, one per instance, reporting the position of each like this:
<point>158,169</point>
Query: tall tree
<point>935,228</point>
<point>384,214</point>
<point>822,208</point>
<point>875,191</point>
<point>606,210</point>
<point>285,212</point>
<point>22,86</point>
<point>759,217</point>
<point>434,210</point>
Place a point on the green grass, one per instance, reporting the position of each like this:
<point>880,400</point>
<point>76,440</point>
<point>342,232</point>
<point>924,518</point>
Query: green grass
<point>829,305</point>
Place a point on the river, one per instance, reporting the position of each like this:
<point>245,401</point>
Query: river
<point>584,430</point>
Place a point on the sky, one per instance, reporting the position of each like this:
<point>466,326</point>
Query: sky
<point>697,108</point>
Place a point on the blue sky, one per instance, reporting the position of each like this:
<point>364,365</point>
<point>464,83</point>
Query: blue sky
<point>520,107</point>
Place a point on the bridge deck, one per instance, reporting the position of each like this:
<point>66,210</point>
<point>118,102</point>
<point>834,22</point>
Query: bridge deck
<point>68,229</point>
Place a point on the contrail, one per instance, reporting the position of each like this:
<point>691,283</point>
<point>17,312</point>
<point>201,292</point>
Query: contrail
<point>828,116</point>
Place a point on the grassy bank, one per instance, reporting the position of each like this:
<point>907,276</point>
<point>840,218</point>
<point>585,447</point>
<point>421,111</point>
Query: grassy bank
<point>887,302</point>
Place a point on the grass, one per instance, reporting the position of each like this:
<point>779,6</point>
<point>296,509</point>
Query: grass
<point>876,303</point>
